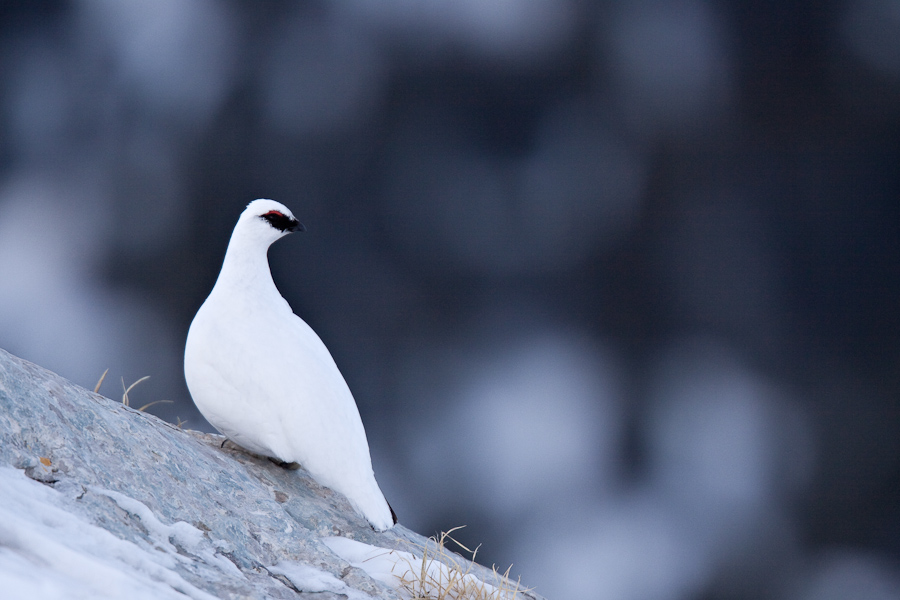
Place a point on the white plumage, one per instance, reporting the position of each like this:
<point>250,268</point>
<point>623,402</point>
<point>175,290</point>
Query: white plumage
<point>261,375</point>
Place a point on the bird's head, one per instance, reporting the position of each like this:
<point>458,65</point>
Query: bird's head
<point>267,221</point>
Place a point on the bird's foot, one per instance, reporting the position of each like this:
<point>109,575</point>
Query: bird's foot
<point>290,466</point>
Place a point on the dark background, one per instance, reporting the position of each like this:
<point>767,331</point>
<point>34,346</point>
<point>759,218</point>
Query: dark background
<point>614,284</point>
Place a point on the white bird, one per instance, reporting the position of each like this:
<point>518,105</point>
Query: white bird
<point>262,377</point>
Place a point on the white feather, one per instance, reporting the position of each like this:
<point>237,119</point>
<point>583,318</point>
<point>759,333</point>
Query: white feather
<point>261,375</point>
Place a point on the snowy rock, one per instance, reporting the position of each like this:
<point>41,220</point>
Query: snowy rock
<point>98,500</point>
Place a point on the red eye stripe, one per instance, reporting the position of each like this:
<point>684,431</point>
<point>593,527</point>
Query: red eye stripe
<point>281,221</point>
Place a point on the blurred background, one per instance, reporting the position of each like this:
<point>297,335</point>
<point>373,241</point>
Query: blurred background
<point>615,285</point>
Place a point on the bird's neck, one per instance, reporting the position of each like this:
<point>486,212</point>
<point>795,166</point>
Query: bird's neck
<point>246,267</point>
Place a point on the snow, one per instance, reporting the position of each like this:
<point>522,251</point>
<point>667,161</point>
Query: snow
<point>182,534</point>
<point>403,571</point>
<point>50,551</point>
<point>47,551</point>
<point>307,578</point>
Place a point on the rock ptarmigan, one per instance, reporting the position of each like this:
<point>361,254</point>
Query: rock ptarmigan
<point>261,375</point>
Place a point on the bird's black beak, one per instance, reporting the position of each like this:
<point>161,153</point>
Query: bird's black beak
<point>296,226</point>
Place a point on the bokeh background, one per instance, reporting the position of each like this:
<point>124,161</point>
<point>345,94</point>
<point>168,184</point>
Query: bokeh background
<point>616,285</point>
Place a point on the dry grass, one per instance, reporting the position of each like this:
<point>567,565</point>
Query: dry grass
<point>126,400</point>
<point>100,382</point>
<point>442,574</point>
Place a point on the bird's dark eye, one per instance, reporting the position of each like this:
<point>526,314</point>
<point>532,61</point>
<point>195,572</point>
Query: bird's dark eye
<point>279,221</point>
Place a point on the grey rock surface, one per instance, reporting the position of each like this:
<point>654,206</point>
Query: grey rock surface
<point>135,476</point>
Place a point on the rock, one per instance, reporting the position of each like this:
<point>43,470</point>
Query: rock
<point>186,517</point>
